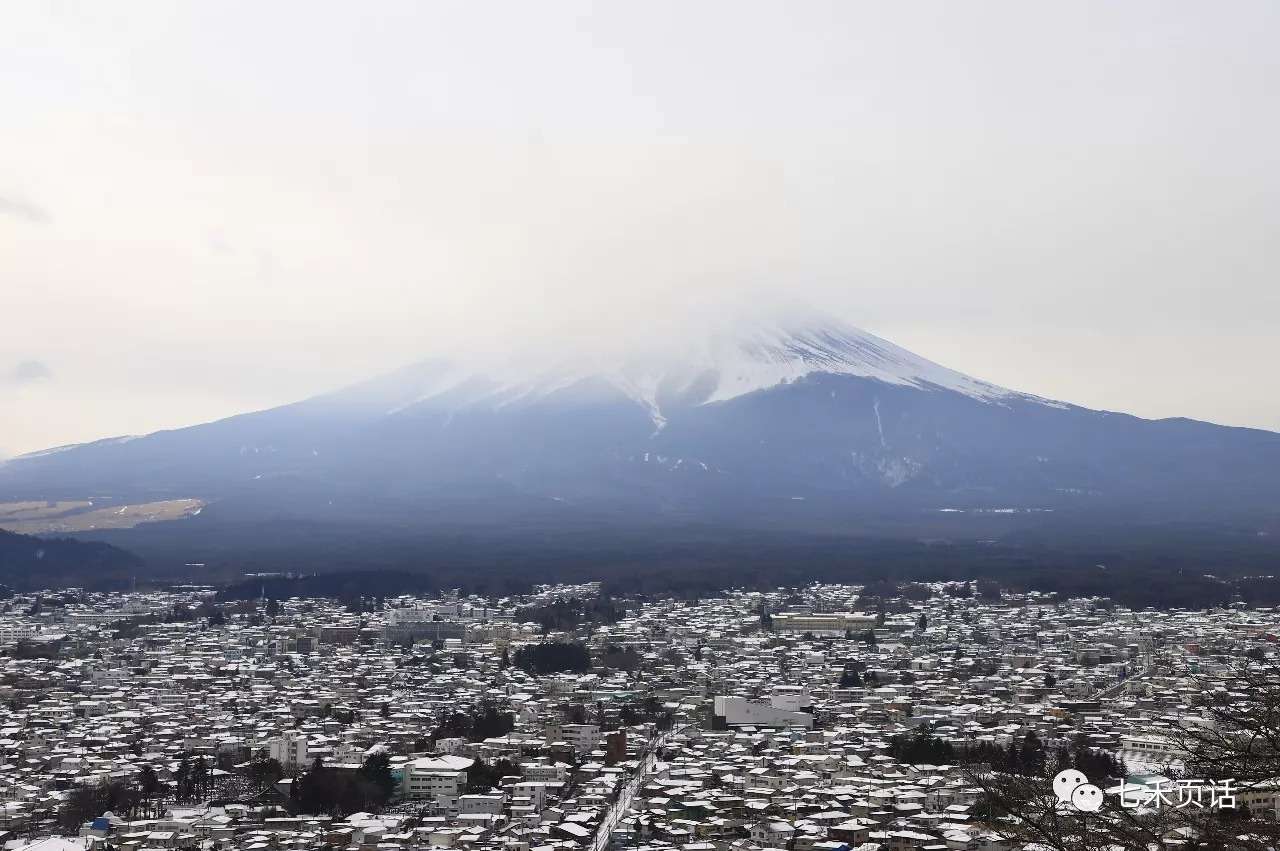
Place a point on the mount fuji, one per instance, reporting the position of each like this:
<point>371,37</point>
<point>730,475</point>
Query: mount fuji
<point>815,426</point>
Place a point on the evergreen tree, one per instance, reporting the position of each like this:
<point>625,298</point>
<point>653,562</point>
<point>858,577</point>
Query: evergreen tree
<point>551,657</point>
<point>849,678</point>
<point>182,777</point>
<point>149,785</point>
<point>376,769</point>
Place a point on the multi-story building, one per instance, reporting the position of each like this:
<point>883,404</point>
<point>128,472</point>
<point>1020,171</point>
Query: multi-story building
<point>825,624</point>
<point>290,750</point>
<point>441,779</point>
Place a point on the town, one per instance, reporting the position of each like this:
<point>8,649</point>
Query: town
<point>822,717</point>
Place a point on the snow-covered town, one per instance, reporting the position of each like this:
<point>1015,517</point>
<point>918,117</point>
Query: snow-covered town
<point>813,718</point>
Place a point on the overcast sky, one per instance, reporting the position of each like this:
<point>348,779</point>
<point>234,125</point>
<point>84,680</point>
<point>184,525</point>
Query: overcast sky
<point>207,208</point>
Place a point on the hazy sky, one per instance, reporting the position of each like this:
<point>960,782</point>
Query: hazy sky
<point>212,207</point>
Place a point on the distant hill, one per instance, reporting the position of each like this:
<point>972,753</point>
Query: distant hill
<point>27,562</point>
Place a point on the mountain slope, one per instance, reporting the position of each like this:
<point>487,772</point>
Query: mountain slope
<point>817,426</point>
<point>30,563</point>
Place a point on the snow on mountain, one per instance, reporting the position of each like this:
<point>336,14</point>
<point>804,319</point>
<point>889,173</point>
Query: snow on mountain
<point>57,450</point>
<point>771,354</point>
<point>836,422</point>
<point>719,368</point>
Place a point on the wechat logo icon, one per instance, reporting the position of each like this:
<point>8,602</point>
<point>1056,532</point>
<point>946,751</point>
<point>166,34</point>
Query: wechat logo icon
<point>1075,790</point>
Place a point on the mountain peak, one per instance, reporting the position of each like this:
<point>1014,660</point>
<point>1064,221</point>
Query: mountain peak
<point>809,422</point>
<point>738,358</point>
<point>765,354</point>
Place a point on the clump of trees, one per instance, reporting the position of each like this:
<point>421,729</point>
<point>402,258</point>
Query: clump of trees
<point>27,649</point>
<point>647,711</point>
<point>620,658</point>
<point>193,778</point>
<point>485,721</point>
<point>264,771</point>
<point>481,776</point>
<point>1027,757</point>
<point>325,790</point>
<point>553,657</point>
<point>1149,575</point>
<point>988,589</point>
<point>84,803</point>
<point>137,797</point>
<point>571,613</point>
<point>915,591</point>
<point>921,748</point>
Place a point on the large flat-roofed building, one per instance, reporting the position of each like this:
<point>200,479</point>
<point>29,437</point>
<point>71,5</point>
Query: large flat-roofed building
<point>739,711</point>
<point>407,632</point>
<point>1147,753</point>
<point>823,623</point>
<point>441,778</point>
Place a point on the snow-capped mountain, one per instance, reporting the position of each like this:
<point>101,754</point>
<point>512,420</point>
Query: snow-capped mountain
<point>723,367</point>
<point>815,424</point>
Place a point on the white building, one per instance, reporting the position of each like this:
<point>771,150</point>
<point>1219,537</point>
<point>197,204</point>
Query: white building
<point>582,737</point>
<point>290,749</point>
<point>553,773</point>
<point>11,632</point>
<point>739,711</point>
<point>1144,754</point>
<point>790,698</point>
<point>441,779</point>
<point>480,805</point>
<point>534,792</point>
<point>826,623</point>
<point>772,834</point>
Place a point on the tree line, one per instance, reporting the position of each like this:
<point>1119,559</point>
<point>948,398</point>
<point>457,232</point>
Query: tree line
<point>1027,757</point>
<point>553,657</point>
